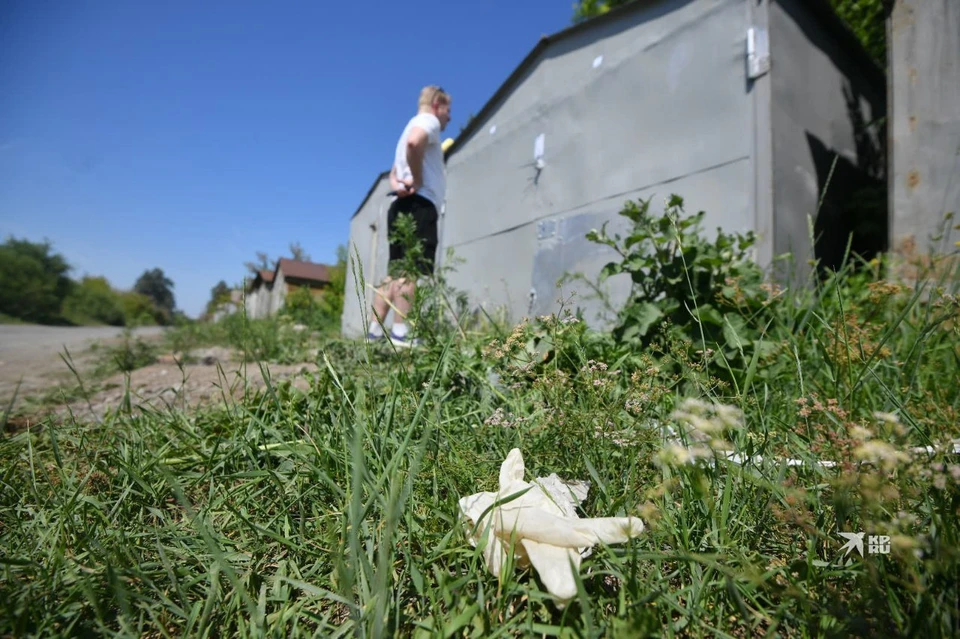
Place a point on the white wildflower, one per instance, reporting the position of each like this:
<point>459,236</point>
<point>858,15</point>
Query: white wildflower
<point>891,421</point>
<point>707,419</point>
<point>677,455</point>
<point>881,452</point>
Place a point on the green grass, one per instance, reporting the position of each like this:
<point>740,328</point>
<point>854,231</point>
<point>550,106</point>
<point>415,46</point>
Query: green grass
<point>273,339</point>
<point>79,319</point>
<point>9,319</point>
<point>333,512</point>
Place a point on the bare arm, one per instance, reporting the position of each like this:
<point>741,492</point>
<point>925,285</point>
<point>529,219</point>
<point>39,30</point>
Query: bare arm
<point>416,147</point>
<point>395,183</point>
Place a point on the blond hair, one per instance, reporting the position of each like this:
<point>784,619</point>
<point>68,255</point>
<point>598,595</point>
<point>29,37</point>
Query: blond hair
<point>431,94</point>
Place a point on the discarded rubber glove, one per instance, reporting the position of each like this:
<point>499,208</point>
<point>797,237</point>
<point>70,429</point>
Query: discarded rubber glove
<point>540,527</point>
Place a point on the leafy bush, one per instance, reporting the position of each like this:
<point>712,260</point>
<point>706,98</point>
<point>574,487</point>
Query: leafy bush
<point>333,296</point>
<point>129,355</point>
<point>269,340</point>
<point>438,311</point>
<point>867,19</point>
<point>320,312</point>
<point>710,294</point>
<point>139,310</point>
<point>94,300</point>
<point>272,339</point>
<point>302,306</point>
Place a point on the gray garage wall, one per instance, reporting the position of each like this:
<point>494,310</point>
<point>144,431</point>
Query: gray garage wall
<point>521,267</point>
<point>650,100</point>
<point>822,100</point>
<point>925,88</point>
<point>373,250</point>
<point>664,110</point>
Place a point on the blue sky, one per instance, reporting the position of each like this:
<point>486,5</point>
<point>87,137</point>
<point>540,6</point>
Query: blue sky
<point>190,135</point>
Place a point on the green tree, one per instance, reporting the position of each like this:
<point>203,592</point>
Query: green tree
<point>33,281</point>
<point>159,288</point>
<point>587,9</point>
<point>138,309</point>
<point>321,311</point>
<point>297,252</point>
<point>332,299</point>
<point>866,18</point>
<point>219,294</point>
<point>262,263</point>
<point>93,300</point>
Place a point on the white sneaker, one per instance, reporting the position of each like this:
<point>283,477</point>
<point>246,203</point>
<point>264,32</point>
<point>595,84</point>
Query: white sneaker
<point>404,342</point>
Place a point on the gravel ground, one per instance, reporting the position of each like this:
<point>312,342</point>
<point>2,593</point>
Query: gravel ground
<point>31,357</point>
<point>163,387</point>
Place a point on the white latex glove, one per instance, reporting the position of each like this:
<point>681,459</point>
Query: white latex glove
<point>544,521</point>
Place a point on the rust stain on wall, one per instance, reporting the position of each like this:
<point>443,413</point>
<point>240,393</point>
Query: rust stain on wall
<point>902,17</point>
<point>911,265</point>
<point>913,179</point>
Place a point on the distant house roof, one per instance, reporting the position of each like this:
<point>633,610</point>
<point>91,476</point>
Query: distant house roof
<point>261,278</point>
<point>300,270</point>
<point>829,19</point>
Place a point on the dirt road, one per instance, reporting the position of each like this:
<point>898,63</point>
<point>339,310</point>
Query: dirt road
<point>26,343</point>
<point>33,353</point>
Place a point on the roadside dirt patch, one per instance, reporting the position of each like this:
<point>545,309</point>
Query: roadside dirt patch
<point>32,357</point>
<point>164,387</point>
<point>48,389</point>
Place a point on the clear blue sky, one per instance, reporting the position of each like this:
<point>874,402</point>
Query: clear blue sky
<point>190,135</point>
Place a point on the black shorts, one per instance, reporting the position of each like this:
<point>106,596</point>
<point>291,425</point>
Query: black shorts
<point>424,215</point>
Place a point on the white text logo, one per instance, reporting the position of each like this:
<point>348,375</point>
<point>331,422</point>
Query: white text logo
<point>876,544</point>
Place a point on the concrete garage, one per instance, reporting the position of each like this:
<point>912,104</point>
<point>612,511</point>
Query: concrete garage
<point>745,108</point>
<point>660,97</point>
<point>925,124</point>
<point>369,250</point>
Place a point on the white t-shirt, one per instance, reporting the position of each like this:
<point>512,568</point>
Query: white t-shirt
<point>434,186</point>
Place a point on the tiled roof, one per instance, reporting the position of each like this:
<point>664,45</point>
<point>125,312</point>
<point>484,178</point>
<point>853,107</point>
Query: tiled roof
<point>303,270</point>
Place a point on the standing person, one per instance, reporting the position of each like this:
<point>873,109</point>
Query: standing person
<point>418,177</point>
